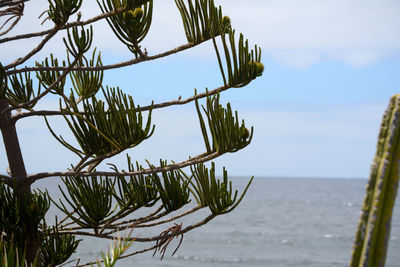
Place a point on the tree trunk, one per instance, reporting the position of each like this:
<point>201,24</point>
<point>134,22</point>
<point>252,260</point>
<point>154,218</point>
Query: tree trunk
<point>21,187</point>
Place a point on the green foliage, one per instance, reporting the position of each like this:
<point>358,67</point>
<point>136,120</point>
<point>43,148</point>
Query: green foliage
<point>87,83</point>
<point>139,191</point>
<point>173,188</point>
<point>202,20</point>
<point>210,191</point>
<point>57,248</point>
<point>48,78</point>
<point>132,26</point>
<point>119,247</point>
<point>60,10</point>
<point>102,129</point>
<point>39,206</point>
<point>78,43</point>
<point>12,221</point>
<point>21,90</point>
<point>226,133</point>
<point>107,125</point>
<point>10,255</point>
<point>242,65</point>
<point>90,199</point>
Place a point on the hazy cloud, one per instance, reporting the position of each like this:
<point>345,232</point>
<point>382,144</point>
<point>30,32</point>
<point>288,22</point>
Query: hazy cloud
<point>296,33</point>
<point>303,32</point>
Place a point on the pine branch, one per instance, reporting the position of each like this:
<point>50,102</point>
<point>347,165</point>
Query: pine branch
<point>95,161</point>
<point>141,225</point>
<point>111,66</point>
<point>152,216</point>
<point>143,108</point>
<point>144,239</point>
<point>191,161</point>
<point>198,159</point>
<point>170,219</point>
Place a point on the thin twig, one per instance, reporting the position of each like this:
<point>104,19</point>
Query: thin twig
<point>143,239</point>
<point>170,219</point>
<point>98,160</point>
<point>11,26</point>
<point>142,219</point>
<point>146,218</point>
<point>162,244</point>
<point>109,225</point>
<point>140,225</point>
<point>81,162</point>
<point>134,222</point>
<point>16,10</point>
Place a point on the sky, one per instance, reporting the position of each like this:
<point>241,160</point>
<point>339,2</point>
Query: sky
<point>330,70</point>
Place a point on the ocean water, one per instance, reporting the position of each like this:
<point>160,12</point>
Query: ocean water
<point>280,222</point>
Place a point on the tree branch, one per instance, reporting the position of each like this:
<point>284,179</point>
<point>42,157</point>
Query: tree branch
<point>145,218</point>
<point>35,50</point>
<point>82,161</point>
<point>150,217</point>
<point>97,160</point>
<point>11,2</point>
<point>143,108</point>
<point>66,26</point>
<point>11,26</point>
<point>191,161</point>
<point>144,239</point>
<point>140,225</point>
<point>195,160</point>
<point>111,66</point>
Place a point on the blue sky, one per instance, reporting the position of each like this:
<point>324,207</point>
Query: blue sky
<point>331,67</point>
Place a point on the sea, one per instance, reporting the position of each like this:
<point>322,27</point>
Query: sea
<point>280,222</point>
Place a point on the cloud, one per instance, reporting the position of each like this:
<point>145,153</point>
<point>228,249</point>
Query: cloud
<point>333,141</point>
<point>295,33</point>
<point>308,31</point>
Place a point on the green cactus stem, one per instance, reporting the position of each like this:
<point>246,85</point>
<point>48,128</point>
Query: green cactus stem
<point>373,233</point>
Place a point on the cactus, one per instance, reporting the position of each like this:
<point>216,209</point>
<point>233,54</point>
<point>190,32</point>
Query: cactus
<point>372,237</point>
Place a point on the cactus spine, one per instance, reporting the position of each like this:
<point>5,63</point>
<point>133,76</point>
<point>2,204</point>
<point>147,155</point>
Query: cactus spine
<point>372,237</point>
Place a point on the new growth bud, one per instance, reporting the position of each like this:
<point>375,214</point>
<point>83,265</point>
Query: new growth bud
<point>133,14</point>
<point>128,14</point>
<point>258,66</point>
<point>245,133</point>
<point>138,13</point>
<point>226,21</point>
